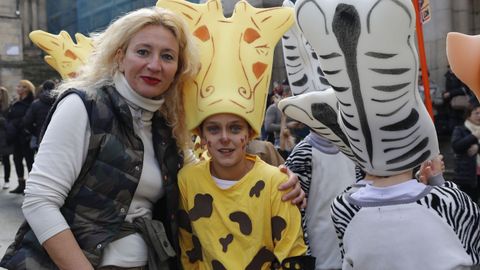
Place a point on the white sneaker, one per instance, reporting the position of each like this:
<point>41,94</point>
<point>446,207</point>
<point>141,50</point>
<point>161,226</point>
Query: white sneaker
<point>6,185</point>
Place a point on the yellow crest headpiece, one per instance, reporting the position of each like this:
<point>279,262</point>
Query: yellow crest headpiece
<point>236,56</point>
<point>64,55</point>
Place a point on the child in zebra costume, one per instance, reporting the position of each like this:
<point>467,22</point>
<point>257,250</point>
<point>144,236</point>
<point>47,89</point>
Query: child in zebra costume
<point>367,52</point>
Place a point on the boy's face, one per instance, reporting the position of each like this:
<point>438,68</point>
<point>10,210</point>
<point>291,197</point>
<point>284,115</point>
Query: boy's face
<point>226,137</point>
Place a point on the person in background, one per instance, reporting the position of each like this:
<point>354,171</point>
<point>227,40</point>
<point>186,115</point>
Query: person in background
<point>282,131</point>
<point>455,87</point>
<point>465,145</point>
<point>17,134</point>
<point>38,111</point>
<point>324,173</point>
<point>6,149</point>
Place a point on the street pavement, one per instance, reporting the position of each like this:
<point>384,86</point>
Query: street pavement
<point>10,211</point>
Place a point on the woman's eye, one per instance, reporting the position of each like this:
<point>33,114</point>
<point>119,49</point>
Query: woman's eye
<point>142,52</point>
<point>168,57</point>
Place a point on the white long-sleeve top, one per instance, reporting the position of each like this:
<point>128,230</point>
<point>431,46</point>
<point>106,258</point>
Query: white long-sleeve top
<point>59,161</point>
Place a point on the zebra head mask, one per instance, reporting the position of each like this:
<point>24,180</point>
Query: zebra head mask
<point>314,103</point>
<point>367,52</point>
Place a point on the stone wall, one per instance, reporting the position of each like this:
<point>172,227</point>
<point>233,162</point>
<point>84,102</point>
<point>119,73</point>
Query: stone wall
<point>19,58</point>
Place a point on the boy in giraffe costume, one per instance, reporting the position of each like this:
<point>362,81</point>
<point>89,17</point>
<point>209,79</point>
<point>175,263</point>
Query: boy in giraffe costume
<point>230,213</point>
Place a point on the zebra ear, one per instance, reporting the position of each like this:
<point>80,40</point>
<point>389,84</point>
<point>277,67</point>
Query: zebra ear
<point>301,62</point>
<point>367,52</point>
<point>318,110</point>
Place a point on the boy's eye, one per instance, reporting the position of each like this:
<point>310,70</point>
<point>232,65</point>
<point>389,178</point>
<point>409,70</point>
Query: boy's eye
<point>213,129</point>
<point>236,128</point>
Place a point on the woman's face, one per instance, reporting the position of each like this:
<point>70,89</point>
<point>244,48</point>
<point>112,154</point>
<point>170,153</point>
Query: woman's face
<point>475,116</point>
<point>21,90</point>
<point>150,61</point>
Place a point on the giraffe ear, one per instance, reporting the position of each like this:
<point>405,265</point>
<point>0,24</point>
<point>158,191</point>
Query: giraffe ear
<point>274,21</point>
<point>191,12</point>
<point>44,40</point>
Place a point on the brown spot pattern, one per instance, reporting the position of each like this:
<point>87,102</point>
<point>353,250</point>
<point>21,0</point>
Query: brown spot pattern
<point>263,256</point>
<point>278,225</point>
<point>226,241</point>
<point>216,265</point>
<point>195,254</point>
<point>251,35</point>
<point>202,207</point>
<point>184,220</point>
<point>202,33</point>
<point>258,69</point>
<point>70,54</point>
<point>257,188</point>
<point>243,221</point>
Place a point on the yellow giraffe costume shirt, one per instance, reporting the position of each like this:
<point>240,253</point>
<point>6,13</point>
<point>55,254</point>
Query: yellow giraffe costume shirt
<point>246,226</point>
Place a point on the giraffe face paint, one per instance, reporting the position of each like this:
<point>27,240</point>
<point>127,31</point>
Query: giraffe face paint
<point>226,137</point>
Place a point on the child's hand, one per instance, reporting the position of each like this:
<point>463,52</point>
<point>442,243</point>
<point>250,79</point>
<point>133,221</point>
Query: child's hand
<point>431,168</point>
<point>296,194</point>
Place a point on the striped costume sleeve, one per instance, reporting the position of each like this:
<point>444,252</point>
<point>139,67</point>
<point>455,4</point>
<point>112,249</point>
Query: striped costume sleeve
<point>462,214</point>
<point>342,213</point>
<point>300,162</point>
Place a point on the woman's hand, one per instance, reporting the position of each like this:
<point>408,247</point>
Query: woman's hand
<point>472,150</point>
<point>296,194</point>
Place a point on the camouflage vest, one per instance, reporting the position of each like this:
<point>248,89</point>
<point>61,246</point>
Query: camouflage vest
<point>100,197</point>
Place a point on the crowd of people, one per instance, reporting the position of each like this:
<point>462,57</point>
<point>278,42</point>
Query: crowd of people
<point>116,184</point>
<point>21,121</point>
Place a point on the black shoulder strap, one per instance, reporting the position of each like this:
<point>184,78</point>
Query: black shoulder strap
<point>86,101</point>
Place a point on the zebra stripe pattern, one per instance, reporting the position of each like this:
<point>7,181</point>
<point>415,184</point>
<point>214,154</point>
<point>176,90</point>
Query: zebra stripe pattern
<point>301,62</point>
<point>367,52</point>
<point>300,162</point>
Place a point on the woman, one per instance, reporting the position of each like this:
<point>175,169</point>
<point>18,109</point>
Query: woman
<point>17,134</point>
<point>38,111</point>
<point>94,204</point>
<point>5,148</point>
<point>465,143</point>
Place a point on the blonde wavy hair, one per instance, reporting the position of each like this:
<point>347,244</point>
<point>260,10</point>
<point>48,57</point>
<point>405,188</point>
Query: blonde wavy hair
<point>4,99</point>
<point>103,62</point>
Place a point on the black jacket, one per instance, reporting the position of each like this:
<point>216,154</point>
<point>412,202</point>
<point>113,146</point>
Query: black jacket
<point>15,129</point>
<point>37,113</point>
<point>465,165</point>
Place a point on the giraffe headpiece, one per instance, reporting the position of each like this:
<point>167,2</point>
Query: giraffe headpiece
<point>64,55</point>
<point>236,58</point>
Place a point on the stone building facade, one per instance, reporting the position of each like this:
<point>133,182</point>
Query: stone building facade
<point>447,16</point>
<point>19,58</point>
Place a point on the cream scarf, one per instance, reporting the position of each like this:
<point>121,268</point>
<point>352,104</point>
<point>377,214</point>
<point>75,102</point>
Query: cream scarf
<point>473,128</point>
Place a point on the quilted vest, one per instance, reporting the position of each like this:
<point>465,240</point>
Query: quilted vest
<point>100,198</point>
